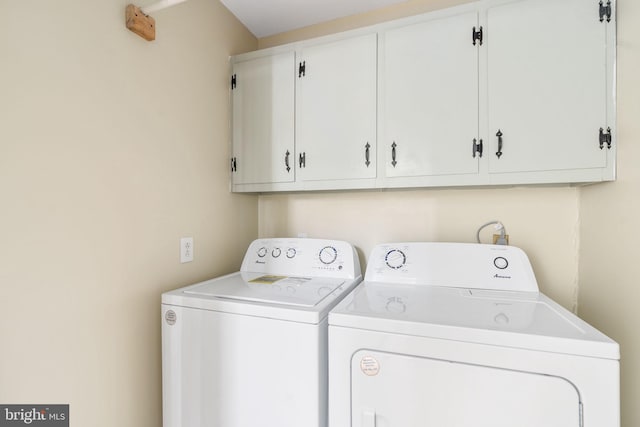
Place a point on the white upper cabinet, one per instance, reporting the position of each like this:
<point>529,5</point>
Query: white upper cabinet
<point>547,89</point>
<point>494,92</point>
<point>429,98</point>
<point>263,100</point>
<point>336,110</point>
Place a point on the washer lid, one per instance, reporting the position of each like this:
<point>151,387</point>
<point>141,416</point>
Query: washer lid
<point>515,319</point>
<point>261,288</point>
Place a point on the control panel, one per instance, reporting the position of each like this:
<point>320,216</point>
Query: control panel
<point>302,257</point>
<point>461,265</point>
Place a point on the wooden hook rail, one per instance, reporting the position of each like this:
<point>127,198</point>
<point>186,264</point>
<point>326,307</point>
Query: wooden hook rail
<point>139,21</point>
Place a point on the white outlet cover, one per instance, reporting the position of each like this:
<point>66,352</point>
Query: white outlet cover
<point>186,249</point>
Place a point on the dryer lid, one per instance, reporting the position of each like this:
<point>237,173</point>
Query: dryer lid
<point>270,289</point>
<point>506,318</point>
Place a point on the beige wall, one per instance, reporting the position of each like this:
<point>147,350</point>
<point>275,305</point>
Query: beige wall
<point>609,255</point>
<point>543,222</point>
<point>578,238</point>
<point>111,149</point>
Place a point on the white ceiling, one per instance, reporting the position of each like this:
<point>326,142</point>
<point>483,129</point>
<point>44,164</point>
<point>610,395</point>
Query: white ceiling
<point>267,17</point>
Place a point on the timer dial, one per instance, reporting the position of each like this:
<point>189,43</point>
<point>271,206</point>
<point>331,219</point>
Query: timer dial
<point>395,259</point>
<point>328,255</point>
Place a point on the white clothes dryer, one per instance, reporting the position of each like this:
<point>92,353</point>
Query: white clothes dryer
<point>250,348</point>
<point>458,335</point>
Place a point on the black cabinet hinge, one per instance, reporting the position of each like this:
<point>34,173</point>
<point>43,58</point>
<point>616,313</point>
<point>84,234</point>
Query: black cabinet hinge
<point>605,138</point>
<point>476,36</point>
<point>233,82</point>
<point>302,69</point>
<point>605,11</point>
<point>302,160</point>
<point>234,164</point>
<point>477,148</point>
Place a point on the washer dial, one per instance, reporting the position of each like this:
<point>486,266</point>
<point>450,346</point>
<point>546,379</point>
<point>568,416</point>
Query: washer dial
<point>291,252</point>
<point>395,259</point>
<point>328,255</point>
<point>276,252</point>
<point>262,252</point>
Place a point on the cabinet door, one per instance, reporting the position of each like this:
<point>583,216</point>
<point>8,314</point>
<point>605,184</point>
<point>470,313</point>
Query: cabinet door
<point>429,97</point>
<point>263,120</point>
<point>547,85</point>
<point>336,110</point>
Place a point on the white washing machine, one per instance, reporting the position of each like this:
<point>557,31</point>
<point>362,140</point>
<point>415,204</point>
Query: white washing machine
<point>458,335</point>
<point>250,348</point>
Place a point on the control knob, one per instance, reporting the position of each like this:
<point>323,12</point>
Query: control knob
<point>395,259</point>
<point>328,255</point>
<point>500,262</point>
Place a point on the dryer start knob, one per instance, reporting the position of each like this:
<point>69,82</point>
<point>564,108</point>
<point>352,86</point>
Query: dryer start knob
<point>501,262</point>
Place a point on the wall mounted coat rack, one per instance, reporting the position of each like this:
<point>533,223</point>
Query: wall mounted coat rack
<point>139,21</point>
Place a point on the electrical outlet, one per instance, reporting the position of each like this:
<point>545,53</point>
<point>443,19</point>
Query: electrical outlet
<point>496,237</point>
<point>186,249</point>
